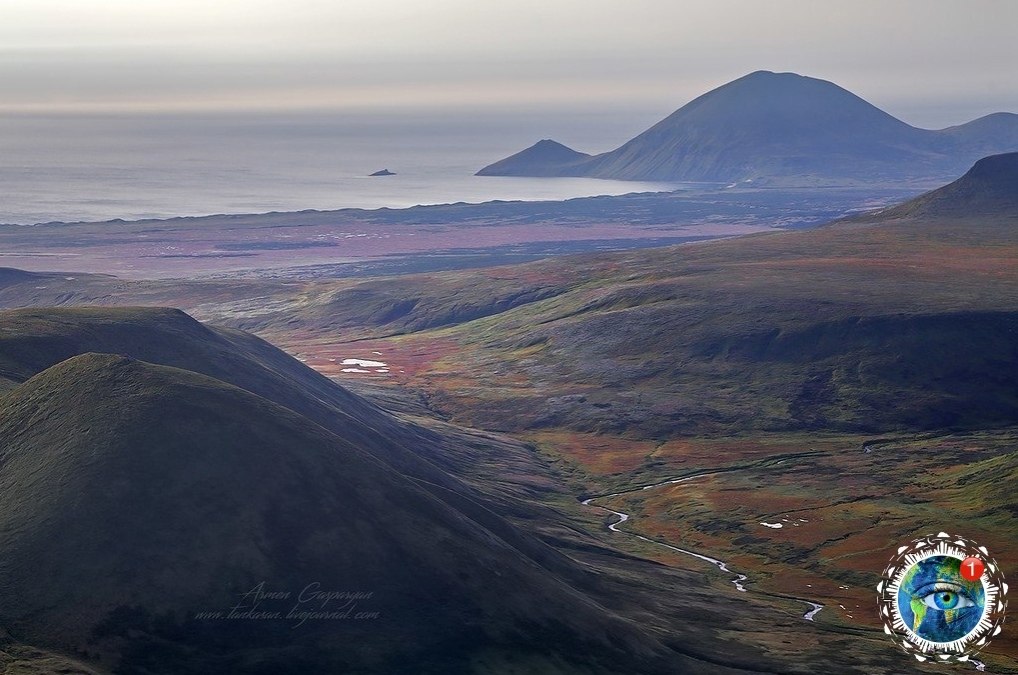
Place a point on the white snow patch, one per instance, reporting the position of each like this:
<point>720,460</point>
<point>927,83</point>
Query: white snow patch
<point>363,363</point>
<point>814,610</point>
<point>773,526</point>
<point>355,370</point>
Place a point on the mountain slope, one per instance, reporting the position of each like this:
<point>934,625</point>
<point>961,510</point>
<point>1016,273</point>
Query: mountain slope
<point>782,127</point>
<point>986,134</point>
<point>763,124</point>
<point>990,188</point>
<point>135,496</point>
<point>544,158</point>
<point>32,340</point>
<point>10,276</point>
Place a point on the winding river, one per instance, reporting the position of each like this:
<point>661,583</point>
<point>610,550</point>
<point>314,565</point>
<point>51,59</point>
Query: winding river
<point>738,581</point>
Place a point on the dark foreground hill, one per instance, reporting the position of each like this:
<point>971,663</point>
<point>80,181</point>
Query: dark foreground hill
<point>141,503</point>
<point>777,128</point>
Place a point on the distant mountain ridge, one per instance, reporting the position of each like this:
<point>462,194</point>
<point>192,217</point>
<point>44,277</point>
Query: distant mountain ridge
<point>777,128</point>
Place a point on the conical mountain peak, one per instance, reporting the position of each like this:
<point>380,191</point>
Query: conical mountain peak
<point>777,128</point>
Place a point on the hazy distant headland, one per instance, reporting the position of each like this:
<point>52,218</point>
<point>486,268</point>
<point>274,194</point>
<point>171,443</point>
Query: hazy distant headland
<point>356,241</point>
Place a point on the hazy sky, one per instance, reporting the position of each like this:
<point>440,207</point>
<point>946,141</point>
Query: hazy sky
<point>930,62</point>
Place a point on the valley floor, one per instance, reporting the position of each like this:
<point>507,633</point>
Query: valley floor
<point>805,517</point>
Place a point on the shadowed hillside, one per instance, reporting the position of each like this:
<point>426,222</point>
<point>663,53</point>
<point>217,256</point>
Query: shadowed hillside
<point>12,276</point>
<point>990,188</point>
<point>135,496</point>
<point>33,340</point>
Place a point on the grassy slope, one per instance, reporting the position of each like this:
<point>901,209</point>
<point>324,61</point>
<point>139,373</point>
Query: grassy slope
<point>34,339</point>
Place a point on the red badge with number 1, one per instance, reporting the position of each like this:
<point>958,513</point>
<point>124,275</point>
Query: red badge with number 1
<point>972,568</point>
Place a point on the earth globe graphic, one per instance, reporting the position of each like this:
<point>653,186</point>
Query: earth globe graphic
<point>937,603</point>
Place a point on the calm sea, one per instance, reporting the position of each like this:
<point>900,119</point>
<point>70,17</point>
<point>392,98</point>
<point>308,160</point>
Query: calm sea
<point>69,168</point>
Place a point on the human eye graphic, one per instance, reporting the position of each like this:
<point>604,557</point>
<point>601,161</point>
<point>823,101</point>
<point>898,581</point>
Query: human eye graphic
<point>945,597</point>
<point>937,603</point>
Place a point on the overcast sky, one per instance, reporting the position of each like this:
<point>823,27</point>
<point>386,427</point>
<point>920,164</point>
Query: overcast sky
<point>931,62</point>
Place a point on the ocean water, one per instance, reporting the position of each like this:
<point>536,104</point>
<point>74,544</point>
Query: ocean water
<point>100,167</point>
